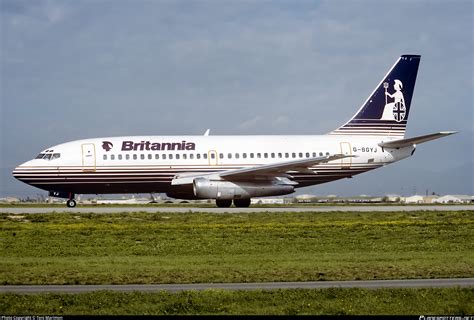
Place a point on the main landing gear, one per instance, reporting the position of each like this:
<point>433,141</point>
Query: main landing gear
<point>242,203</point>
<point>239,203</point>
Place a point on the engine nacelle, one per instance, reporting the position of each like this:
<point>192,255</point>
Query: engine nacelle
<point>215,189</point>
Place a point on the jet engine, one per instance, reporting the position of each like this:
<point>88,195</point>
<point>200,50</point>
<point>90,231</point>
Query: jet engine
<point>217,189</point>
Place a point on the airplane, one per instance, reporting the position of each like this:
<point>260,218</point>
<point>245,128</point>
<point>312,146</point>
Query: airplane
<point>236,168</point>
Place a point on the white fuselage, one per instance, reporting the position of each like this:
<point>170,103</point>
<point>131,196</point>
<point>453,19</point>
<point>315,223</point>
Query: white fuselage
<point>148,163</point>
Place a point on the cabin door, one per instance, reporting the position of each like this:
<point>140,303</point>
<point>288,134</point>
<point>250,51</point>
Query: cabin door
<point>88,157</point>
<point>346,150</point>
<point>212,156</point>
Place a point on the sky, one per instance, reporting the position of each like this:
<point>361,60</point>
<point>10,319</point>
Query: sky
<point>82,69</point>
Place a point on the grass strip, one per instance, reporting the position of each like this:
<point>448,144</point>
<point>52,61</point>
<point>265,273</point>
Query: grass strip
<point>122,248</point>
<point>453,301</point>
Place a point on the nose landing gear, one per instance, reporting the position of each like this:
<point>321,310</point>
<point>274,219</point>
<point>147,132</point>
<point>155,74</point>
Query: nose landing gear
<point>71,203</point>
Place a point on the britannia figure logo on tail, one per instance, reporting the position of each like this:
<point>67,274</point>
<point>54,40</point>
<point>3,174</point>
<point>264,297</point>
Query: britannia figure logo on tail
<point>396,110</point>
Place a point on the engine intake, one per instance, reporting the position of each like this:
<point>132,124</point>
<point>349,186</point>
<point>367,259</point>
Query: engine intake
<point>215,189</point>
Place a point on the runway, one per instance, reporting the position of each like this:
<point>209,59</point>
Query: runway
<point>171,209</point>
<point>369,284</point>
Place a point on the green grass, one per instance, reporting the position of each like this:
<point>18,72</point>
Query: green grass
<point>242,247</point>
<point>452,301</point>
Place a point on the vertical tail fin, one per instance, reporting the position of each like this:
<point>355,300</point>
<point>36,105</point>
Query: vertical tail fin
<point>385,112</point>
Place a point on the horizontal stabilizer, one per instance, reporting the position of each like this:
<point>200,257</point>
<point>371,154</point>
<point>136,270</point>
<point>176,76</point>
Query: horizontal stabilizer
<point>416,140</point>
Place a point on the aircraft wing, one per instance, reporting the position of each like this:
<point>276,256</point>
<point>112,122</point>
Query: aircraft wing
<point>282,169</point>
<point>416,140</point>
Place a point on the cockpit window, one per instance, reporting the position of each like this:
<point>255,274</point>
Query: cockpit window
<point>48,156</point>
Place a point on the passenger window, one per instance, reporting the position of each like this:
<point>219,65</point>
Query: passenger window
<point>251,155</point>
<point>221,156</point>
<point>204,155</point>
<point>287,155</point>
<point>301,154</point>
<point>127,156</point>
<point>314,155</point>
<point>236,156</point>
<point>157,156</point>
<point>273,155</point>
<point>279,155</point>
<point>170,156</point>
<point>229,156</point>
<point>327,153</point>
<point>135,157</point>
<point>150,157</point>
<point>244,155</point>
<point>119,157</point>
<point>259,155</point>
<point>105,157</point>
<point>142,156</point>
<point>213,156</point>
<point>112,157</point>
<point>293,155</point>
<point>307,154</point>
<point>185,156</point>
<point>320,154</point>
<point>177,156</point>
<point>265,155</point>
<point>191,156</point>
<point>198,156</point>
<point>163,156</point>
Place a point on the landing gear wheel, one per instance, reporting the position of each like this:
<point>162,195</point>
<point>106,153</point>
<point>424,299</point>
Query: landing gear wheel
<point>222,203</point>
<point>71,203</point>
<point>242,203</point>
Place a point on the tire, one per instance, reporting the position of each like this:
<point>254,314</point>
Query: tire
<point>71,203</point>
<point>223,203</point>
<point>242,203</point>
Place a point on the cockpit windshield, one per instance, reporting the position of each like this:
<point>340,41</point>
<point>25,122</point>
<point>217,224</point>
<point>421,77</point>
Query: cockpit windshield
<point>48,156</point>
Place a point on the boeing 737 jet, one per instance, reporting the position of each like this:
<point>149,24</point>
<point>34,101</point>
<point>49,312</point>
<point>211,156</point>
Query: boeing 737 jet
<point>236,168</point>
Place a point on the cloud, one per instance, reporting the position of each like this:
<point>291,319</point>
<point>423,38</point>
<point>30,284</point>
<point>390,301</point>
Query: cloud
<point>251,123</point>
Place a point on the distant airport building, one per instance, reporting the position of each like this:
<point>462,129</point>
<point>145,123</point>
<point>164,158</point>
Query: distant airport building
<point>9,200</point>
<point>454,199</point>
<point>268,201</point>
<point>416,199</point>
<point>306,198</point>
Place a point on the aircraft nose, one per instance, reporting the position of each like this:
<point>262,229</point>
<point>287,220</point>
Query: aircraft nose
<point>19,171</point>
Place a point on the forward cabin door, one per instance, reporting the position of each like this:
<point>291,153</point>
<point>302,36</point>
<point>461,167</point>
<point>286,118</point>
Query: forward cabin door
<point>346,150</point>
<point>88,157</point>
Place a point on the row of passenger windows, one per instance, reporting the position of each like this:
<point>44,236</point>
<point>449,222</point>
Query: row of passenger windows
<point>212,155</point>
